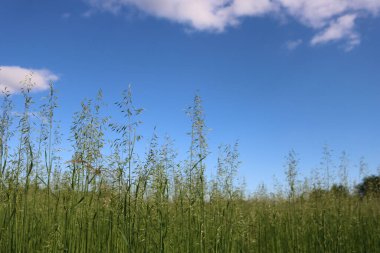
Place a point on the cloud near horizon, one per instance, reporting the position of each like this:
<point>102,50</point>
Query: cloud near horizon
<point>332,20</point>
<point>14,78</point>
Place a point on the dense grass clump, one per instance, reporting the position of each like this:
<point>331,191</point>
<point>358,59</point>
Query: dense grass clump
<point>107,198</point>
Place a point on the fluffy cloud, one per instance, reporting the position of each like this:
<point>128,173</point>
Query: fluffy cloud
<point>211,15</point>
<point>324,16</point>
<point>314,13</point>
<point>14,78</point>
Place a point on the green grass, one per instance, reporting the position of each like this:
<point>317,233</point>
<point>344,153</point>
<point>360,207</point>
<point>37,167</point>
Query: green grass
<point>107,199</point>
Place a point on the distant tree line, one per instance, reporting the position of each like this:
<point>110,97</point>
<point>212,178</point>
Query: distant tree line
<point>369,187</point>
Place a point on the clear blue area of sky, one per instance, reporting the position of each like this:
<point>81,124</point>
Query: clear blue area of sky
<point>254,89</point>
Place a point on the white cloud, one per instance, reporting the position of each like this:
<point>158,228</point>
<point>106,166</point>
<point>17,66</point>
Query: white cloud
<point>211,15</point>
<point>341,28</point>
<point>14,78</point>
<point>293,44</point>
<point>217,15</point>
<point>314,13</point>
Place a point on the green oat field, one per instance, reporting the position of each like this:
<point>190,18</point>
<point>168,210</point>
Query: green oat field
<point>108,198</point>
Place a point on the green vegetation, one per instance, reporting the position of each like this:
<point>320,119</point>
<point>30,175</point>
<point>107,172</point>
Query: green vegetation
<point>107,198</point>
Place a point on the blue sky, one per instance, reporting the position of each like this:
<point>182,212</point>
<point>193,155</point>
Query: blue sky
<point>276,75</point>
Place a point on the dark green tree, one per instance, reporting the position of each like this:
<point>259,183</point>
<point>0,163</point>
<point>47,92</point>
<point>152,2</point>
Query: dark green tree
<point>369,187</point>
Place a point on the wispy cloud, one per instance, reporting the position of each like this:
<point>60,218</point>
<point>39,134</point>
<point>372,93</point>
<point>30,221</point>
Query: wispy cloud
<point>217,15</point>
<point>14,78</point>
<point>89,13</point>
<point>341,28</point>
<point>66,15</point>
<point>293,44</point>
